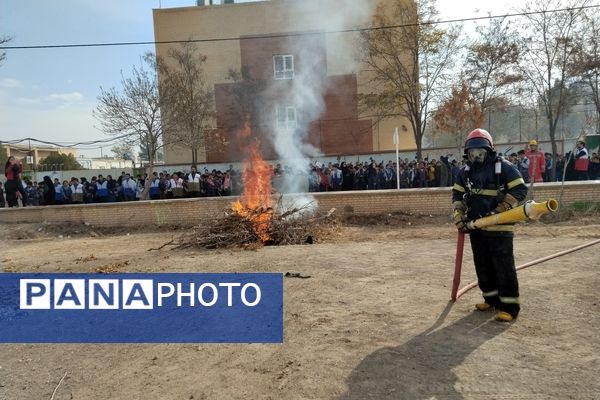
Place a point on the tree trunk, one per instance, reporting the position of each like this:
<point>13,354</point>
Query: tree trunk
<point>554,153</point>
<point>419,138</point>
<point>552,132</point>
<point>194,156</point>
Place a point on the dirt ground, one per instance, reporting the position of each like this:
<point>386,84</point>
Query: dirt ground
<point>372,322</point>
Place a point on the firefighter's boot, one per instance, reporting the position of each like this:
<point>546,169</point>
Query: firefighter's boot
<point>503,316</point>
<point>483,307</point>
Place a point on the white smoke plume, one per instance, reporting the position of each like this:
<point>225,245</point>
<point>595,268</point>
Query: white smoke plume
<point>317,20</point>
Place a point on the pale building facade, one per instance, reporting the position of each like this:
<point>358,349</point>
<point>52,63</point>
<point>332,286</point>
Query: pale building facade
<point>37,152</point>
<point>97,163</point>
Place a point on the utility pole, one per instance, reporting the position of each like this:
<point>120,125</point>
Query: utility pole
<point>520,127</point>
<point>396,140</point>
<point>32,158</point>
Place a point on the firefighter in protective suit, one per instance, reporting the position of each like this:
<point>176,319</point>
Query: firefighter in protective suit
<point>487,184</point>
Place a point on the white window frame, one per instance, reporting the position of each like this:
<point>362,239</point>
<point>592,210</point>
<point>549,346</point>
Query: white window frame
<point>285,122</point>
<point>285,72</point>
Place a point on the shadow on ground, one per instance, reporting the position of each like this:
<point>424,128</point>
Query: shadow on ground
<point>422,368</point>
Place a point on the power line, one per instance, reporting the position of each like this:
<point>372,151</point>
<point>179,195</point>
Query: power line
<point>296,34</point>
<point>66,144</point>
<point>89,145</point>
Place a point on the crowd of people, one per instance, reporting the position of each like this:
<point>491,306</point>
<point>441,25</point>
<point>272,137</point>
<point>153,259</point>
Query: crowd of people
<point>100,189</point>
<point>373,175</point>
<point>534,166</point>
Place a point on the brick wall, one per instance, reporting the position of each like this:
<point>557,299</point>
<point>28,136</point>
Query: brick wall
<point>187,212</point>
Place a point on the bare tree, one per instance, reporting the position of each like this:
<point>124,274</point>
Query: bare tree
<point>247,93</point>
<point>123,151</point>
<point>491,62</point>
<point>134,110</point>
<point>409,59</point>
<point>548,49</point>
<point>3,40</point>
<point>459,114</point>
<point>188,100</point>
<point>586,63</point>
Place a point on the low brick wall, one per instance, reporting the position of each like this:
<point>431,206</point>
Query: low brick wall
<point>187,212</point>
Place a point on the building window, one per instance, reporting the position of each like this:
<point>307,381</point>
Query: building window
<point>283,65</point>
<point>286,117</point>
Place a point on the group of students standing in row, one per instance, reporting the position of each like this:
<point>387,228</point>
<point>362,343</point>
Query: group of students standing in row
<point>193,184</point>
<point>102,189</point>
<point>534,165</point>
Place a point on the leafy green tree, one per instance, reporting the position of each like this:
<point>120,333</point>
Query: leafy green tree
<point>61,161</point>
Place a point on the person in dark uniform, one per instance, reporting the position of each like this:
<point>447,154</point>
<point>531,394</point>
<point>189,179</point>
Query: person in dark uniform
<point>486,185</point>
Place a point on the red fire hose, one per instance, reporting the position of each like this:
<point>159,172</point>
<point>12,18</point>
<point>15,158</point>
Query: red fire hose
<point>526,265</point>
<point>460,244</point>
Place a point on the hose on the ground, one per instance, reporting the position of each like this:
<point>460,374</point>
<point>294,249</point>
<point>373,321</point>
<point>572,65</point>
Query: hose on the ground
<point>534,262</point>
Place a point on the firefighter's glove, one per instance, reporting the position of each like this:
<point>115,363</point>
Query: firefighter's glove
<point>460,221</point>
<point>459,205</point>
<point>506,204</point>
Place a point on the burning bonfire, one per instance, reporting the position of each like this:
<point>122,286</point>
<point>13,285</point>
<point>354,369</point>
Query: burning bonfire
<point>256,204</point>
<point>258,219</point>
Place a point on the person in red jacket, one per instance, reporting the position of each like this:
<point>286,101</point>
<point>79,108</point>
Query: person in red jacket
<point>13,187</point>
<point>537,162</point>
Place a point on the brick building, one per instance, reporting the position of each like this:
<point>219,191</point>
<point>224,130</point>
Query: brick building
<point>268,42</point>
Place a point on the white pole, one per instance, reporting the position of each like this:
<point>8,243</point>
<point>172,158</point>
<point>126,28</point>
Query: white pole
<point>396,142</point>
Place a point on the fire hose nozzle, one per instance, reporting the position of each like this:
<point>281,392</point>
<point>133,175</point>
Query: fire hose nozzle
<point>535,210</point>
<point>529,210</point>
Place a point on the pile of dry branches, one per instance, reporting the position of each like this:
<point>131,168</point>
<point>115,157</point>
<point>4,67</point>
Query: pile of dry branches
<point>294,226</point>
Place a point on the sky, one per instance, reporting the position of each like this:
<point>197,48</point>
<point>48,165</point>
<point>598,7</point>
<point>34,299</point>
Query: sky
<point>49,94</point>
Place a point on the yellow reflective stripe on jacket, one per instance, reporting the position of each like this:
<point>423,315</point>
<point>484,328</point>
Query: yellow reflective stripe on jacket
<point>499,228</point>
<point>484,192</point>
<point>458,188</point>
<point>490,293</point>
<point>516,182</point>
<point>509,300</point>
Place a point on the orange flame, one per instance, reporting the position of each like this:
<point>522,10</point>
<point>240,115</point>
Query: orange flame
<point>256,203</point>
